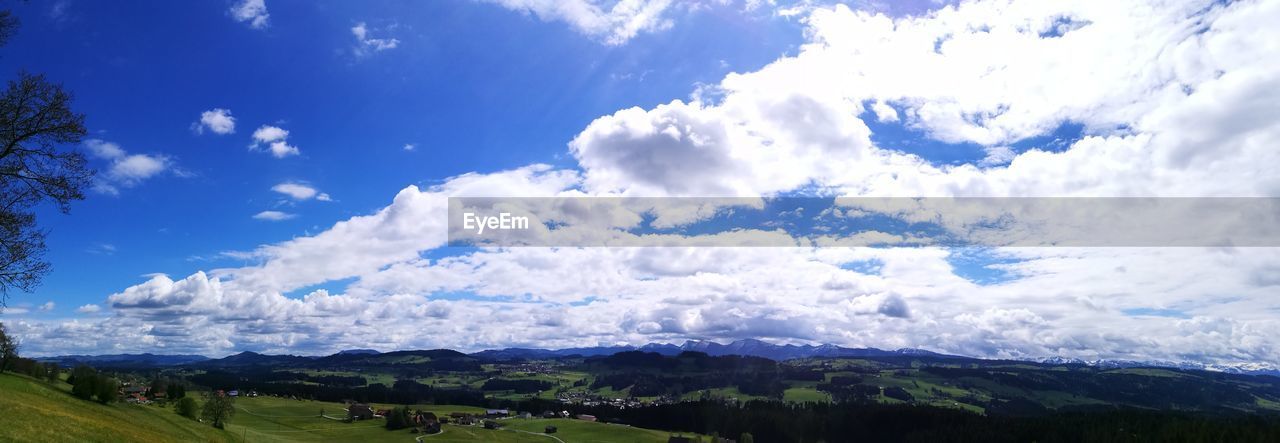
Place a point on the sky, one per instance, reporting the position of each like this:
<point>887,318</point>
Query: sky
<point>273,175</point>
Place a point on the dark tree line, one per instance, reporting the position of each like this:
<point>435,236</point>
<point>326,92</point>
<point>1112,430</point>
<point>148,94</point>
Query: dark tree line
<point>88,384</point>
<point>402,392</point>
<point>650,374</point>
<point>813,422</point>
<point>519,386</point>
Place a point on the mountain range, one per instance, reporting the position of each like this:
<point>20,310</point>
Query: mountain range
<point>125,360</point>
<point>744,347</point>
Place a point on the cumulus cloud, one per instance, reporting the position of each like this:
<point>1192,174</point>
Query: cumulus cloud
<point>413,222</point>
<point>216,120</point>
<point>276,141</point>
<point>1174,101</point>
<point>988,73</point>
<point>998,155</point>
<point>273,216</point>
<point>613,23</point>
<point>124,170</point>
<point>89,309</point>
<point>300,191</point>
<point>366,44</point>
<point>251,12</point>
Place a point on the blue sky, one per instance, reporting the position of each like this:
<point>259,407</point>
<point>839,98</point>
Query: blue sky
<point>470,98</point>
<point>336,239</point>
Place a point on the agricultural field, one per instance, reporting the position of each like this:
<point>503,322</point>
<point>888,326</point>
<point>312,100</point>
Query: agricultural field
<point>269,419</point>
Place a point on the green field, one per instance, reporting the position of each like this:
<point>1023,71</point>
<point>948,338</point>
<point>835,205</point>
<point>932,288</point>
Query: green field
<point>32,410</point>
<point>268,419</point>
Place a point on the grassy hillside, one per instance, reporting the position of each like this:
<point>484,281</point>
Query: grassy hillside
<point>32,410</point>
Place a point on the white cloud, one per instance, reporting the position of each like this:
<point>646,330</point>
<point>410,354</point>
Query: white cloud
<point>89,309</point>
<point>1177,96</point>
<point>124,170</point>
<point>300,191</point>
<point>281,149</point>
<point>47,306</point>
<point>410,146</point>
<point>104,149</point>
<point>366,44</point>
<point>998,155</point>
<point>137,167</point>
<point>217,120</point>
<point>884,112</point>
<point>252,12</point>
<point>275,138</point>
<point>614,23</point>
<point>273,216</point>
<point>413,222</point>
<point>102,248</point>
<point>268,134</point>
<point>1192,93</point>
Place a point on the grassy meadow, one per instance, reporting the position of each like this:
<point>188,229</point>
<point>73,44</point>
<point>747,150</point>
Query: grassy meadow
<point>37,411</point>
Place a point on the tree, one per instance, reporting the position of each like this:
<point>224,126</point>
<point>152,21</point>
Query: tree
<point>398,418</point>
<point>51,371</point>
<point>218,408</point>
<point>175,391</point>
<point>83,381</point>
<point>35,119</point>
<point>107,389</point>
<point>8,349</point>
<point>186,407</point>
<point>746,438</point>
<point>157,385</point>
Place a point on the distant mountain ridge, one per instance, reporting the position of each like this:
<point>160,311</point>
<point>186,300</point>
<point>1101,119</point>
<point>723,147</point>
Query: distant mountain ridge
<point>744,347</point>
<point>125,360</point>
<point>1238,368</point>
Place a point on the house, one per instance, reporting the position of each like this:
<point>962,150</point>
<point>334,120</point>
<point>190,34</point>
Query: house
<point>585,417</point>
<point>495,413</point>
<point>233,393</point>
<point>428,421</point>
<point>425,417</point>
<point>462,418</point>
<point>549,414</point>
<point>525,415</point>
<point>358,411</point>
<point>549,430</point>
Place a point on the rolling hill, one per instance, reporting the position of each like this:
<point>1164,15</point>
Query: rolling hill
<point>32,410</point>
